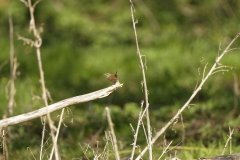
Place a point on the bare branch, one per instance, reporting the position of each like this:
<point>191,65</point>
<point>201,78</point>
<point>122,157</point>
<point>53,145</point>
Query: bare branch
<point>228,140</point>
<point>26,40</point>
<point>34,5</point>
<point>233,49</point>
<point>25,2</point>
<point>204,70</point>
<point>59,105</point>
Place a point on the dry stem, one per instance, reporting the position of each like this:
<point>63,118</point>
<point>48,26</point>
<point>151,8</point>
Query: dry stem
<point>4,145</point>
<point>111,125</point>
<point>228,140</point>
<point>137,130</point>
<point>149,136</point>
<point>37,45</point>
<point>57,133</point>
<point>13,65</point>
<point>13,68</point>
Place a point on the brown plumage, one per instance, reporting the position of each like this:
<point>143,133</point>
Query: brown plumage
<point>112,77</point>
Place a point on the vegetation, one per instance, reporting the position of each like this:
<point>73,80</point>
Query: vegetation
<point>82,40</point>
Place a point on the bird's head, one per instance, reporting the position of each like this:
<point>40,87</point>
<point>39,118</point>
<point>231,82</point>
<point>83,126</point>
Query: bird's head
<point>107,75</point>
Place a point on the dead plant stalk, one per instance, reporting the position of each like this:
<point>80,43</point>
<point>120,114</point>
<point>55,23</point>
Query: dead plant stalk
<point>114,139</point>
<point>37,44</point>
<point>149,135</point>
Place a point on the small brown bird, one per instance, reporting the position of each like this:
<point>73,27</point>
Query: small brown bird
<point>112,77</point>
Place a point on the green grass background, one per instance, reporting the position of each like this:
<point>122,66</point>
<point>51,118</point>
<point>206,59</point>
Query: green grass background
<point>82,40</point>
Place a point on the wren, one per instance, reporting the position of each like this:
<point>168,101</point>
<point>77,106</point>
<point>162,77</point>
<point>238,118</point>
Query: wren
<point>112,77</point>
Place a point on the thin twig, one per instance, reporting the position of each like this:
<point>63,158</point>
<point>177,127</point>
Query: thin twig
<point>222,70</point>
<point>43,144</point>
<point>223,66</point>
<point>136,133</point>
<point>204,70</point>
<point>183,130</point>
<point>84,152</point>
<point>199,74</point>
<point>42,140</point>
<point>148,14</point>
<point>228,140</point>
<point>4,144</point>
<point>13,68</point>
<point>165,150</point>
<point>233,49</point>
<point>28,148</point>
<point>58,129</point>
<point>105,154</point>
<point>3,64</point>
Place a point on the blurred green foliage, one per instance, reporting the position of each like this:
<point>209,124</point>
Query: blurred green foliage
<point>82,40</point>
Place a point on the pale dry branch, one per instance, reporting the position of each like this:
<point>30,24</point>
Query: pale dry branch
<point>137,130</point>
<point>43,135</point>
<point>228,140</point>
<point>183,130</point>
<point>161,131</point>
<point>224,66</point>
<point>28,148</point>
<point>34,5</point>
<point>199,74</point>
<point>26,40</point>
<point>165,150</point>
<point>48,147</point>
<point>111,126</point>
<point>59,105</point>
<point>84,152</point>
<point>12,92</point>
<point>4,145</point>
<point>105,154</point>
<point>149,136</point>
<point>3,64</point>
<point>13,63</point>
<point>220,70</point>
<point>204,70</point>
<point>13,68</point>
<point>219,48</point>
<point>25,2</point>
<point>58,129</point>
<point>37,42</point>
<point>233,49</point>
<point>148,14</point>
